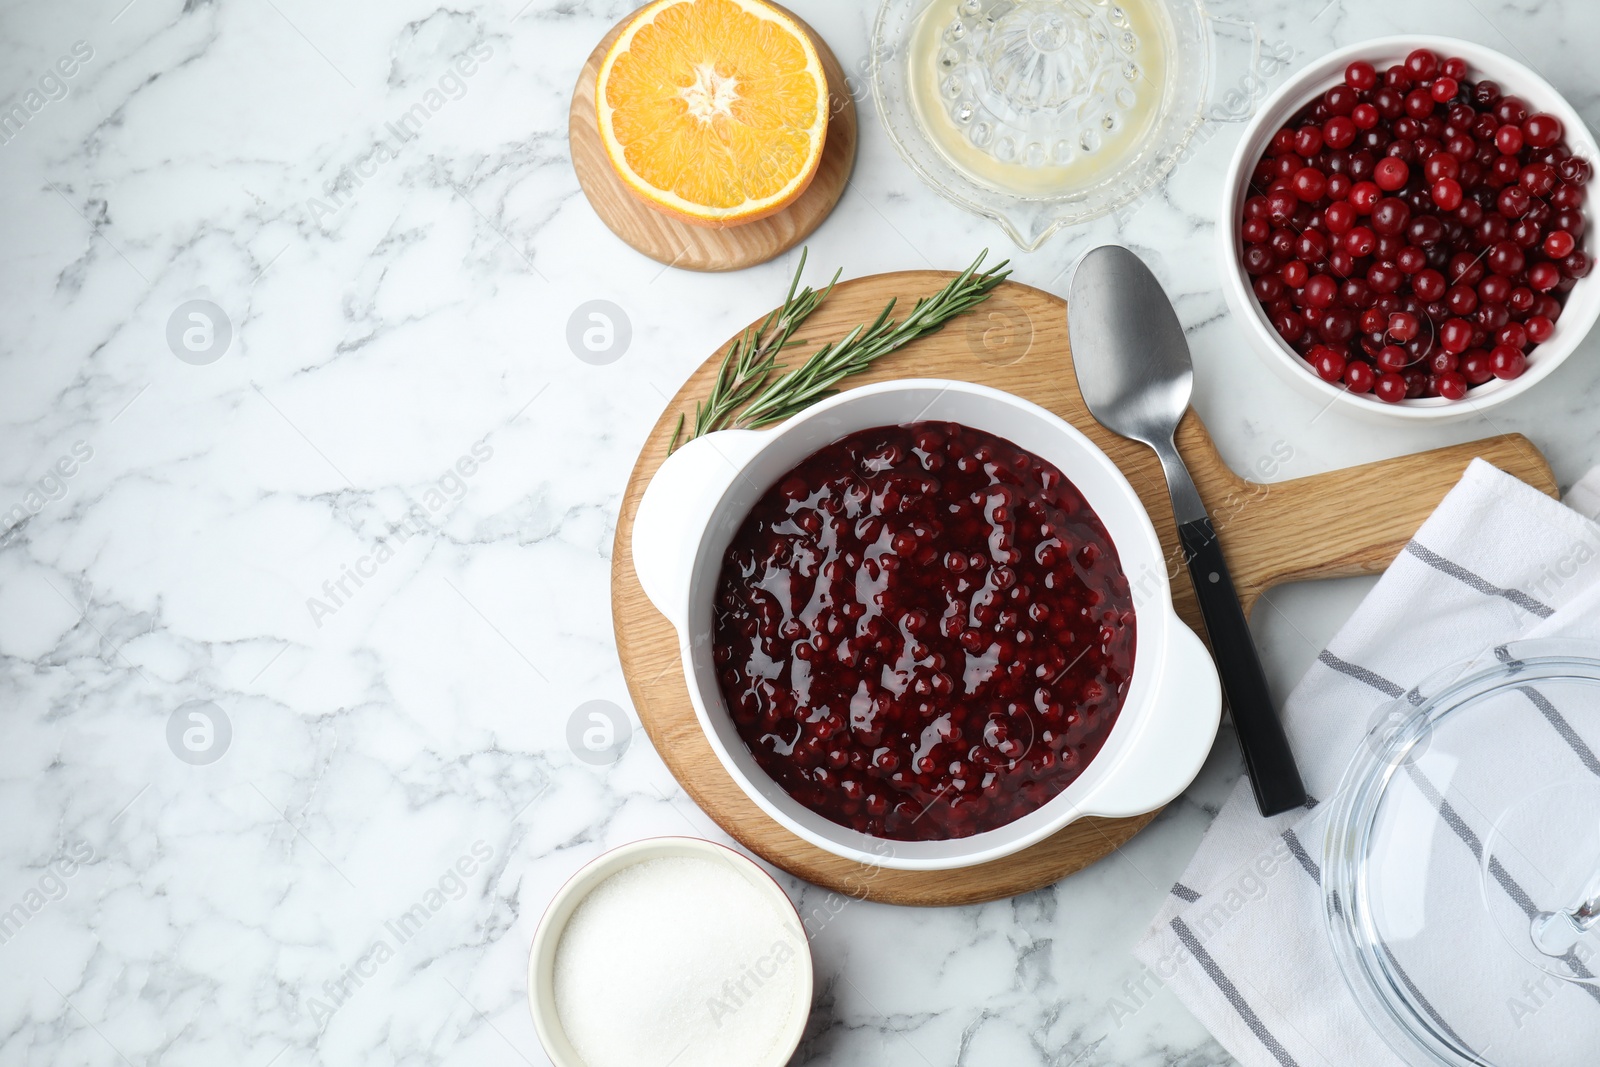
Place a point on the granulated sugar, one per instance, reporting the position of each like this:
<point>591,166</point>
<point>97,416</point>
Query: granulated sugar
<point>677,960</point>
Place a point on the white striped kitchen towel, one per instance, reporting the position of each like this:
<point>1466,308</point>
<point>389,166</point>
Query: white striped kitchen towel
<point>1241,939</point>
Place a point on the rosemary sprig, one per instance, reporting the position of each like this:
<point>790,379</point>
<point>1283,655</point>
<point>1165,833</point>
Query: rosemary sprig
<point>751,360</point>
<point>745,395</point>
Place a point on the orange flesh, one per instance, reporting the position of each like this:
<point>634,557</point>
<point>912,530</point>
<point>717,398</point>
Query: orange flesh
<point>717,106</point>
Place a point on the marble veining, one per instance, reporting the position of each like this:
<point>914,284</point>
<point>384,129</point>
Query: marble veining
<point>294,629</point>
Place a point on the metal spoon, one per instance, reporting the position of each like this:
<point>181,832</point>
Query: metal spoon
<point>1136,376</point>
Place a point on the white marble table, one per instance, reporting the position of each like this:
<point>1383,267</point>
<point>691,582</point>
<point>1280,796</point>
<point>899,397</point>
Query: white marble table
<point>356,879</point>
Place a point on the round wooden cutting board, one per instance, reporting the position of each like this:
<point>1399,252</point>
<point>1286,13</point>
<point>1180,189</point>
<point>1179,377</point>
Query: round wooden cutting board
<point>1017,341</point>
<point>678,244</point>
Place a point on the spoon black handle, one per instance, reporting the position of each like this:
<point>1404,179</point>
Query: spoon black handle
<point>1267,756</point>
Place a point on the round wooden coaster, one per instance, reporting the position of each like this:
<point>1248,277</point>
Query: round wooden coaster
<point>678,244</point>
<point>1017,341</point>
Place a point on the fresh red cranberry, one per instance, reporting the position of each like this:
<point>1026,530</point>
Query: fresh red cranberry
<point>1526,232</point>
<point>1359,376</point>
<point>1422,63</point>
<point>1447,194</point>
<point>1309,184</point>
<point>1429,285</point>
<point>1495,289</point>
<point>1419,103</point>
<point>1541,130</point>
<point>1514,202</point>
<point>1311,246</point>
<point>1403,326</point>
<point>1307,141</point>
<point>1503,171</point>
<point>1513,334</point>
<point>1320,291</point>
<point>1390,215</point>
<point>1328,363</point>
<point>1508,139</point>
<point>1360,75</point>
<point>1506,258</point>
<point>1567,196</point>
<point>1336,326</point>
<point>1539,179</point>
<point>1543,277</point>
<point>1441,165</point>
<point>1390,388</point>
<point>1364,194</point>
<point>1546,305</point>
<point>1339,132</point>
<point>1461,299</point>
<point>1455,335</point>
<point>1392,358</point>
<point>1559,244</point>
<point>1507,362</point>
<point>1391,173</point>
<point>1575,171</point>
<point>1269,287</point>
<point>1475,366</point>
<point>1340,100</point>
<point>1511,110</point>
<point>1339,217</point>
<point>1452,385</point>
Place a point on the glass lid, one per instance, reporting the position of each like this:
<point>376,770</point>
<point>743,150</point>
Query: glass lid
<point>1463,864</point>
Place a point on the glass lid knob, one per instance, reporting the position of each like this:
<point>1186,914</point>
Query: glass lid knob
<point>1558,933</point>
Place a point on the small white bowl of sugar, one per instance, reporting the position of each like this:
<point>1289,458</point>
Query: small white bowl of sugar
<point>670,950</point>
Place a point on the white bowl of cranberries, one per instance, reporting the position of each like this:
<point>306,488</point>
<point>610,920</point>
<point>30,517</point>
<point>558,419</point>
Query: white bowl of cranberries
<point>925,624</point>
<point>1408,229</point>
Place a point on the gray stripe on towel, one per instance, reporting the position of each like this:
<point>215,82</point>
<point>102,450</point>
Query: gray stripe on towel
<point>1292,839</point>
<point>1229,990</point>
<point>1183,892</point>
<point>1562,727</point>
<point>1482,585</point>
<point>1360,674</point>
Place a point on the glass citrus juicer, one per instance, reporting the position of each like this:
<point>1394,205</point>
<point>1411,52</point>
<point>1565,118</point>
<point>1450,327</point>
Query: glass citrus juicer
<point>1043,113</point>
<point>1461,872</point>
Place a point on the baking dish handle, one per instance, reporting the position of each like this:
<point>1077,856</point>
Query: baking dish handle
<point>1177,737</point>
<point>673,512</point>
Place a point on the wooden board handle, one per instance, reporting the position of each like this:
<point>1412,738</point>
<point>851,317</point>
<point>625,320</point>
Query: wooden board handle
<point>1280,532</point>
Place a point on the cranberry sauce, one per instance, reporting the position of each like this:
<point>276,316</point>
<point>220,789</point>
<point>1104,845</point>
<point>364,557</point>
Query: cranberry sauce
<point>923,632</point>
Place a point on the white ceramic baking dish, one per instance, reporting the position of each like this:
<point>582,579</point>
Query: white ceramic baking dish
<point>699,498</point>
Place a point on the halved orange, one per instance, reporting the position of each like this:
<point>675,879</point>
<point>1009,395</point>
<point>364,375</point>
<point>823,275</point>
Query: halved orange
<point>714,111</point>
